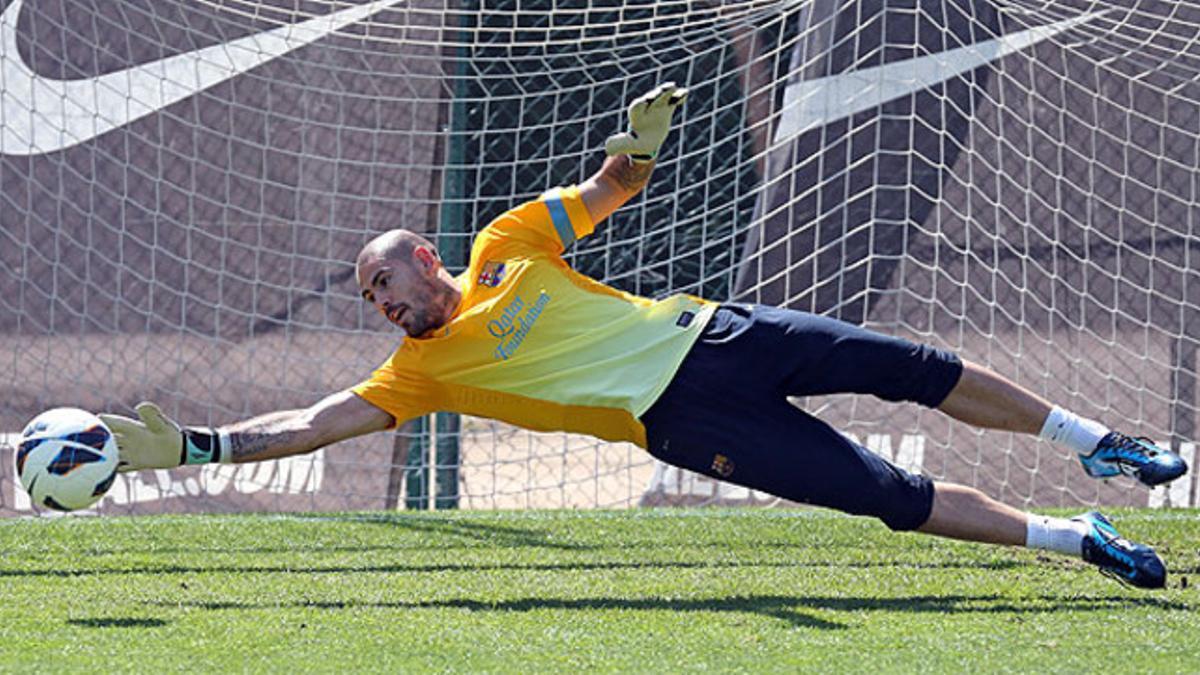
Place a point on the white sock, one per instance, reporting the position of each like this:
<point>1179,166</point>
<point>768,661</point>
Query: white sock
<point>1055,534</point>
<point>1077,433</point>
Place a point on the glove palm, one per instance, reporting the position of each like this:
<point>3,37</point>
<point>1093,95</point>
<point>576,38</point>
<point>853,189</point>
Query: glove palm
<point>649,122</point>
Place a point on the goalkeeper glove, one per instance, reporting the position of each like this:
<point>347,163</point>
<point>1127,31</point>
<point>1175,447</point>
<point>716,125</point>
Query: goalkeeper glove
<point>155,441</point>
<point>649,122</point>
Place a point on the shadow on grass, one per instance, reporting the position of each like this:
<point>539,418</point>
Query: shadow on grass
<point>792,609</point>
<point>117,622</point>
<point>438,568</point>
<point>505,536</point>
<point>475,544</point>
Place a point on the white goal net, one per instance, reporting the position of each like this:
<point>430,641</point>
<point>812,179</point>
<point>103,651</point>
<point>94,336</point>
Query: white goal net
<point>184,185</point>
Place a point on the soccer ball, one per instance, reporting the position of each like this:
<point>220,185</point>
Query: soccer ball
<point>67,459</point>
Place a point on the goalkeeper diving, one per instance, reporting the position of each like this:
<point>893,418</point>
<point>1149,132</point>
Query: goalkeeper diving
<point>521,337</point>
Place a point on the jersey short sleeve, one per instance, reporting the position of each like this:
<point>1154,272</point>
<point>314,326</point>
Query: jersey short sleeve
<point>402,395</point>
<point>548,224</point>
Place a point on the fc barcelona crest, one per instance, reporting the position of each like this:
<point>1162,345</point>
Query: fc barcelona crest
<point>723,466</point>
<point>492,273</point>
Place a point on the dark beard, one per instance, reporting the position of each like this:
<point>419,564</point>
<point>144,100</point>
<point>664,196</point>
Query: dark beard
<point>435,316</point>
<point>422,324</point>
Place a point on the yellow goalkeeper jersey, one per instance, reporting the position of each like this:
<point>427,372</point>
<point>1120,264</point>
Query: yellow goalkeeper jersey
<point>537,344</point>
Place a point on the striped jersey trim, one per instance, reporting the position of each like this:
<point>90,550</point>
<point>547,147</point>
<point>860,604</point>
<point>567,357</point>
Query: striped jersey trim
<point>558,215</point>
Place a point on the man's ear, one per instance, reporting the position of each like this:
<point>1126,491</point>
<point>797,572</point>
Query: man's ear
<point>427,258</point>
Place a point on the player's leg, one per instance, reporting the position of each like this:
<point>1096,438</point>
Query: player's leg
<point>961,512</point>
<point>984,398</point>
<point>766,444</point>
<point>817,355</point>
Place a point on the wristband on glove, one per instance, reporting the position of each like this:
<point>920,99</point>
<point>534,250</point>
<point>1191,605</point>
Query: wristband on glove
<point>203,445</point>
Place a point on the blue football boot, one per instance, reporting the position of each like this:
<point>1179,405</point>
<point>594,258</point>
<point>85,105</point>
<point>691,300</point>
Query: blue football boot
<point>1137,457</point>
<point>1119,558</point>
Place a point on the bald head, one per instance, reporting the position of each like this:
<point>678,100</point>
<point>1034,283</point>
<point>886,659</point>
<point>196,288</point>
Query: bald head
<point>393,245</point>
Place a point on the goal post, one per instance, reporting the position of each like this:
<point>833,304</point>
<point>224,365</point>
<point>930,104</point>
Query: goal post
<point>184,187</point>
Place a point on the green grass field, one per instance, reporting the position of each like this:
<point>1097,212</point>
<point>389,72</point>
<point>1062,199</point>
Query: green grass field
<point>634,591</point>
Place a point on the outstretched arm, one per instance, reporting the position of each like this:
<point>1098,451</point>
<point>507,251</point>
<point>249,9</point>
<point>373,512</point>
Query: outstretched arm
<point>335,418</point>
<point>632,153</point>
<point>155,441</point>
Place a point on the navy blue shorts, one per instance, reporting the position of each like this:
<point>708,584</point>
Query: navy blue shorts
<point>726,414</point>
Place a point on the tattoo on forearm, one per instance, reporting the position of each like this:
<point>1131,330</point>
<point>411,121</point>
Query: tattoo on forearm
<point>245,444</point>
<point>632,175</point>
<point>271,435</point>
